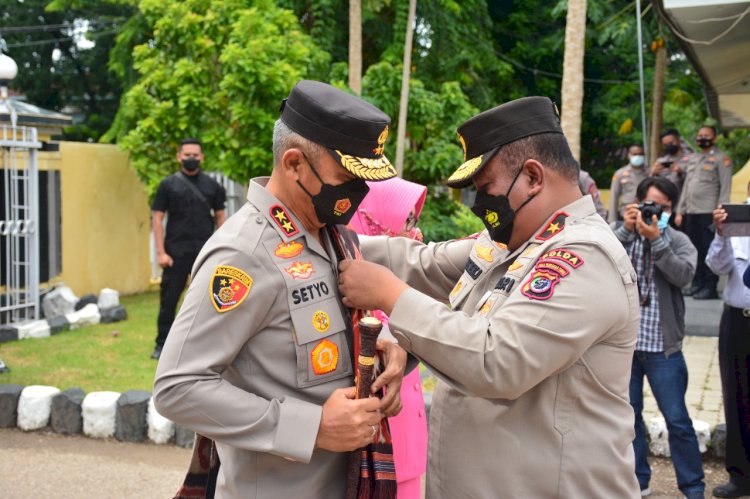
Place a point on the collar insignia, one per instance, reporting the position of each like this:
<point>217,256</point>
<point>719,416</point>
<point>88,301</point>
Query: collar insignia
<point>288,250</point>
<point>556,225</point>
<point>300,270</point>
<point>282,219</point>
<point>229,287</point>
<point>485,253</point>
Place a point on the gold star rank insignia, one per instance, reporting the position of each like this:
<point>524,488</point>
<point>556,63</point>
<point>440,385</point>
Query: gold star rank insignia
<point>554,226</point>
<point>283,221</point>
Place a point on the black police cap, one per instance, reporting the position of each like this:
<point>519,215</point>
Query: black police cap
<point>353,130</point>
<point>484,134</point>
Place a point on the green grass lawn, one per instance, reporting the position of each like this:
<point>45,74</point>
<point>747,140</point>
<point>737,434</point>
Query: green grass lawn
<point>91,358</point>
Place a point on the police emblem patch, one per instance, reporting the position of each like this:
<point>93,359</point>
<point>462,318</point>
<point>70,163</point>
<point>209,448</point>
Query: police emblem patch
<point>288,250</point>
<point>342,206</point>
<point>229,287</point>
<point>457,289</point>
<point>321,321</point>
<point>541,285</point>
<point>300,270</point>
<point>282,219</point>
<point>324,357</point>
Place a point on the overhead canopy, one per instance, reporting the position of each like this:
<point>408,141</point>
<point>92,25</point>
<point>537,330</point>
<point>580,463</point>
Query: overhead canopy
<point>723,62</point>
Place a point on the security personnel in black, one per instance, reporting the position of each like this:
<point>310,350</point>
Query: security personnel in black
<point>195,205</point>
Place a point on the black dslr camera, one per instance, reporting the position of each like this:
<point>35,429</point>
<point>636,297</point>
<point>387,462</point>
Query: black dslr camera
<point>648,210</point>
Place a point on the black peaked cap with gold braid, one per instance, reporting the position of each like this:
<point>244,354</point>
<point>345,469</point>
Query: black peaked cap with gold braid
<point>484,134</point>
<point>353,130</point>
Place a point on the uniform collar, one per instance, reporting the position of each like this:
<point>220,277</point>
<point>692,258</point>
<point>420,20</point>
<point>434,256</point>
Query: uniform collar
<point>281,218</point>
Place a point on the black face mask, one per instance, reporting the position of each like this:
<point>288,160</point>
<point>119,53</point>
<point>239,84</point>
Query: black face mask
<point>190,164</point>
<point>496,213</point>
<point>705,143</point>
<point>671,149</point>
<point>336,204</point>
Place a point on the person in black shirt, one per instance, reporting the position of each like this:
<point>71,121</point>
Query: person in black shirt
<point>194,203</point>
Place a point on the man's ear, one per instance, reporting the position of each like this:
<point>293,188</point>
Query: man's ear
<point>535,173</point>
<point>291,162</point>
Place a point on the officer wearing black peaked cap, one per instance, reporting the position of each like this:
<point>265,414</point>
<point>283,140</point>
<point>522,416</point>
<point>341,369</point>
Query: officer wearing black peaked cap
<point>534,353</point>
<point>260,356</point>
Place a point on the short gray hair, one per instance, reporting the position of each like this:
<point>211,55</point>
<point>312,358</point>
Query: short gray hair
<point>285,138</point>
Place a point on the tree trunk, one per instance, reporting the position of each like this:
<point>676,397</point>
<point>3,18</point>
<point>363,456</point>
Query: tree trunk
<point>572,83</point>
<point>355,46</point>
<point>403,107</point>
<point>660,70</point>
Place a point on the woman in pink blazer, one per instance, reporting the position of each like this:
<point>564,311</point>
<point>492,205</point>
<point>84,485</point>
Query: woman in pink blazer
<point>392,208</point>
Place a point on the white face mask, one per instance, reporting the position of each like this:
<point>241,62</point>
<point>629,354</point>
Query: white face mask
<point>637,160</point>
<point>748,201</point>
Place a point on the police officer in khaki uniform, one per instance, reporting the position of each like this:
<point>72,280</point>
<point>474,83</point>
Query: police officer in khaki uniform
<point>624,183</point>
<point>672,164</point>
<point>534,354</point>
<point>708,183</point>
<point>260,356</point>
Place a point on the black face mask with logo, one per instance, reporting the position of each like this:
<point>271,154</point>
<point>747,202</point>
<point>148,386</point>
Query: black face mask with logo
<point>336,204</point>
<point>496,213</point>
<point>191,164</point>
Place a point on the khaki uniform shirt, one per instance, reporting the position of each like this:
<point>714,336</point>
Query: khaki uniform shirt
<point>588,186</point>
<point>622,191</point>
<point>260,342</point>
<point>533,359</point>
<point>708,182</point>
<point>676,172</point>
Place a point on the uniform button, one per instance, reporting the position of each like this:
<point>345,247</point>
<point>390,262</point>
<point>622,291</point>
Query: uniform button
<point>417,387</point>
<point>258,220</point>
<point>421,413</point>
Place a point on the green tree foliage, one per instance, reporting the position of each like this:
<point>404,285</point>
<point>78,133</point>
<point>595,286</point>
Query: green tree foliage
<point>217,70</point>
<point>57,69</point>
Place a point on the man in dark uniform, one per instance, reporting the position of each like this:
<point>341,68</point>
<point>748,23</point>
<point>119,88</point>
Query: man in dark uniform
<point>260,358</point>
<point>194,203</point>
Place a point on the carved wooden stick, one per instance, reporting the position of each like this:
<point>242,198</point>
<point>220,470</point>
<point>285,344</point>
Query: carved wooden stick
<point>369,329</point>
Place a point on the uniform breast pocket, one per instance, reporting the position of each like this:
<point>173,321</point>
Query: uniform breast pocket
<point>707,171</point>
<point>320,342</point>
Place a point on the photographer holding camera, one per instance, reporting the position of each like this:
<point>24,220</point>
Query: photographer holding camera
<point>664,260</point>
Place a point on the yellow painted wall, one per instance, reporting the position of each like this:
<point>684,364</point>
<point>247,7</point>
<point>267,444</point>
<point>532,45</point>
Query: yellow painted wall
<point>105,219</point>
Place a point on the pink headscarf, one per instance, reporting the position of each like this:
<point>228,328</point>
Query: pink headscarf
<point>387,206</point>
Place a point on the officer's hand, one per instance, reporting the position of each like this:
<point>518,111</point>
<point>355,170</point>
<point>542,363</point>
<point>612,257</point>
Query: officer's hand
<point>369,286</point>
<point>391,378</point>
<point>347,423</point>
<point>649,231</point>
<point>164,260</point>
<point>678,219</point>
<point>630,216</point>
<point>720,215</point>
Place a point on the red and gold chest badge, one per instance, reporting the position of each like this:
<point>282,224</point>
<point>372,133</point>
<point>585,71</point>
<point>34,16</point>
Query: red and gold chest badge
<point>229,287</point>
<point>282,219</point>
<point>288,250</point>
<point>300,270</point>
<point>541,285</point>
<point>485,253</point>
<point>553,227</point>
<point>324,357</point>
<point>342,206</point>
<point>321,321</point>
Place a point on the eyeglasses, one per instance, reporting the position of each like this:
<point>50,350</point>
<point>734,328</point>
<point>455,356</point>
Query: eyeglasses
<point>411,222</point>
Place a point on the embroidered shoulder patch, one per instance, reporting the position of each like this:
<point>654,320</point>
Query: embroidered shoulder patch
<point>541,285</point>
<point>288,250</point>
<point>282,219</point>
<point>229,287</point>
<point>553,227</point>
<point>563,255</point>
